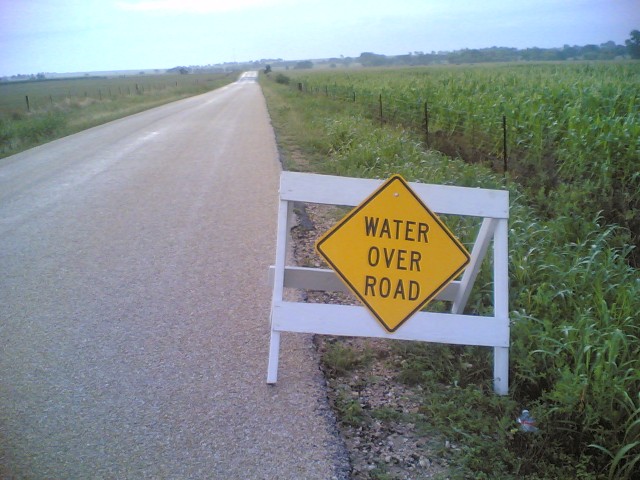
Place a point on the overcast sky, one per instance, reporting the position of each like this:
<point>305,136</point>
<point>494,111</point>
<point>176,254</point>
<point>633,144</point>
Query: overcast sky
<point>95,35</point>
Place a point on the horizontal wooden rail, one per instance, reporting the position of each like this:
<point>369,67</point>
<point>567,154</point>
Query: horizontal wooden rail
<point>356,321</point>
<point>305,278</point>
<point>445,199</point>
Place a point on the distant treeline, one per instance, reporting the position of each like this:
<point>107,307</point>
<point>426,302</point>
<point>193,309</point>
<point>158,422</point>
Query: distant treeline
<point>605,51</point>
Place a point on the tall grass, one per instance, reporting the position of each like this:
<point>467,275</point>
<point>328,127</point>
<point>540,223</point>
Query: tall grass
<point>574,303</point>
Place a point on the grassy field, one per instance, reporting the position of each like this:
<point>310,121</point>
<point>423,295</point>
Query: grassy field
<point>56,108</point>
<point>574,290</point>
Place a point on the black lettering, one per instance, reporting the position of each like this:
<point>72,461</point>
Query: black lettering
<point>371,226</point>
<point>385,287</point>
<point>388,256</point>
<point>414,264</point>
<point>401,259</point>
<point>414,290</point>
<point>398,223</point>
<point>369,285</point>
<point>408,233</point>
<point>385,230</point>
<point>374,256</point>
<point>423,229</point>
<point>396,229</point>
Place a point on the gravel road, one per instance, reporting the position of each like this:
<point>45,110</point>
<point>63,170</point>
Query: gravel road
<point>134,306</point>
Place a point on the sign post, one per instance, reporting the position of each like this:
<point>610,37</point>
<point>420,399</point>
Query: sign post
<point>395,255</point>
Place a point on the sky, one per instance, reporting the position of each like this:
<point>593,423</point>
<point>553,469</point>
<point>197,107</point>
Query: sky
<point>104,35</point>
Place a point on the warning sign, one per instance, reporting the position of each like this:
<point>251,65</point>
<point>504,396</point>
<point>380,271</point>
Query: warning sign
<point>393,252</point>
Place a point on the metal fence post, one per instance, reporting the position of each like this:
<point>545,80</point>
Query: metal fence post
<point>504,142</point>
<point>426,122</point>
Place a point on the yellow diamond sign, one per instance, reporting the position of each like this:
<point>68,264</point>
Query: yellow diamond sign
<point>393,252</point>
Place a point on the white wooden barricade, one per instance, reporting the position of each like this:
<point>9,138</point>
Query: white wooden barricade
<point>349,320</point>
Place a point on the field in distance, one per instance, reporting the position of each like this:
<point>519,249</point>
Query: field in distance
<point>36,112</point>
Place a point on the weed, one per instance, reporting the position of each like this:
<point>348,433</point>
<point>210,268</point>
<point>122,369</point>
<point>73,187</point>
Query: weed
<point>387,414</point>
<point>340,358</point>
<point>283,79</point>
<point>349,409</point>
<point>380,472</point>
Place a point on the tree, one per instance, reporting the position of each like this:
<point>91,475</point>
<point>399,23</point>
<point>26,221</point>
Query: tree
<point>633,44</point>
<point>304,64</point>
<point>267,69</point>
<point>370,59</point>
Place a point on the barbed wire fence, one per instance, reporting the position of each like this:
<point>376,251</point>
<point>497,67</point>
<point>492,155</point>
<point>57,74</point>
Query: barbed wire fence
<point>470,135</point>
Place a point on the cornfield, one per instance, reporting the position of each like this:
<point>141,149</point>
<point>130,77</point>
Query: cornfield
<point>570,128</point>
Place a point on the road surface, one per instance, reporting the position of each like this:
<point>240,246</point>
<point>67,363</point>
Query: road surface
<point>134,306</point>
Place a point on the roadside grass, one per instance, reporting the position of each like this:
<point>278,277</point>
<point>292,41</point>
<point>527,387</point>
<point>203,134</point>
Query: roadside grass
<point>299,131</point>
<point>575,348</point>
<point>60,113</point>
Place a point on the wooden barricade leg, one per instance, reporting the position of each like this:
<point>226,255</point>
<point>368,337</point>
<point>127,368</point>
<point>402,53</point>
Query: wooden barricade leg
<point>501,304</point>
<point>501,370</point>
<point>274,353</point>
<point>278,286</point>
